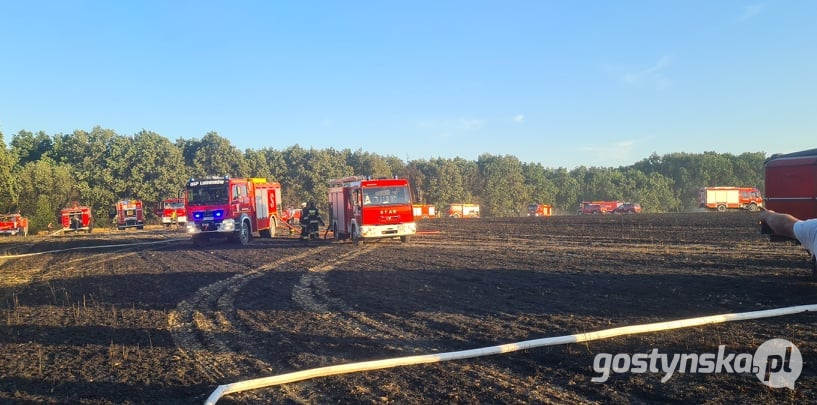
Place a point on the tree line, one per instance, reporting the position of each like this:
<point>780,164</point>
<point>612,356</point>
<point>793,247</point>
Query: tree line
<point>41,173</point>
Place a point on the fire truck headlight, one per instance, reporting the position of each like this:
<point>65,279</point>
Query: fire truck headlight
<point>191,227</point>
<point>228,224</point>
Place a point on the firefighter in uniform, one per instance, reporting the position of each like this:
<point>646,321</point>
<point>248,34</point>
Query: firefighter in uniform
<point>309,214</point>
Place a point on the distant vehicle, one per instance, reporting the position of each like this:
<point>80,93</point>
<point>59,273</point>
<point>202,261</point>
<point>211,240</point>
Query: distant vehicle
<point>364,209</point>
<point>170,206</point>
<point>77,218</point>
<point>724,198</point>
<point>424,211</point>
<point>791,183</point>
<point>540,210</point>
<point>598,207</point>
<point>628,208</point>
<point>129,214</point>
<point>13,224</point>
<point>232,207</point>
<point>463,211</point>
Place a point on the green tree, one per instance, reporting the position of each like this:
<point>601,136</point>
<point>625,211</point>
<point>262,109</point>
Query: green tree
<point>45,187</point>
<point>540,188</point>
<point>567,188</point>
<point>213,155</point>
<point>28,147</point>
<point>257,164</point>
<point>503,185</point>
<point>8,192</point>
<point>369,164</point>
<point>154,169</point>
<point>445,183</point>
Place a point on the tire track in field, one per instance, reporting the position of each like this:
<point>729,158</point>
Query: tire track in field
<point>197,323</point>
<point>312,293</point>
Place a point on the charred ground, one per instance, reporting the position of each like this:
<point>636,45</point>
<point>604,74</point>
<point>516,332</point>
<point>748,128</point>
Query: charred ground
<point>169,322</point>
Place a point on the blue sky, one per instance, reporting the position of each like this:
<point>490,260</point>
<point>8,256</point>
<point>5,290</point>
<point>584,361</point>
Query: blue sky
<point>561,83</point>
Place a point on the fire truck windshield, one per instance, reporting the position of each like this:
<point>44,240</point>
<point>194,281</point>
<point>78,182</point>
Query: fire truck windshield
<point>207,195</point>
<point>386,195</point>
<point>174,205</point>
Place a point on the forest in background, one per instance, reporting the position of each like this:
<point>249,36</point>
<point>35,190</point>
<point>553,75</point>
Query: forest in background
<point>41,173</point>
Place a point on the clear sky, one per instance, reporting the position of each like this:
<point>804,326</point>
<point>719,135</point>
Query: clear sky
<point>562,83</point>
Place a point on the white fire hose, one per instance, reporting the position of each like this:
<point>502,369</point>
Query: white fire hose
<point>247,385</point>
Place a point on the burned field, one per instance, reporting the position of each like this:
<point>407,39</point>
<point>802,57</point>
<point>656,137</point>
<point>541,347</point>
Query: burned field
<point>168,322</point>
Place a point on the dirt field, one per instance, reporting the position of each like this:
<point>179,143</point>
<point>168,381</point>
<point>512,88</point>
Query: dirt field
<point>169,322</point>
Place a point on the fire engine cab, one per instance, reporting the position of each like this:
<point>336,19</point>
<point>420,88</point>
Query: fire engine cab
<point>232,207</point>
<point>14,224</point>
<point>170,206</point>
<point>363,209</point>
<point>129,214</point>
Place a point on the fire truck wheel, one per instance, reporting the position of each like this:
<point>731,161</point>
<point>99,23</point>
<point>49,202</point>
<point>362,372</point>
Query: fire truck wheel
<point>355,237</point>
<point>140,227</point>
<point>753,207</point>
<point>721,208</point>
<point>273,228</point>
<point>244,235</point>
<point>405,239</point>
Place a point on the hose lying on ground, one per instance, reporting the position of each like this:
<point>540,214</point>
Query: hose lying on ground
<point>247,385</point>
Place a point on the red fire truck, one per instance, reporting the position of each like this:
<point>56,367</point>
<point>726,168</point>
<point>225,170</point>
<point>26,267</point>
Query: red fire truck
<point>723,198</point>
<point>424,211</point>
<point>463,211</point>
<point>540,210</point>
<point>129,214</point>
<point>362,208</point>
<point>791,184</point>
<point>13,224</point>
<point>791,188</point>
<point>598,207</point>
<point>232,207</point>
<point>77,218</point>
<point>170,206</point>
